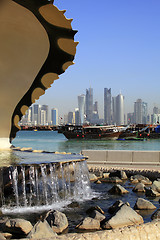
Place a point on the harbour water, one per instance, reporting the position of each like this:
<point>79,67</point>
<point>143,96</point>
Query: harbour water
<point>53,141</point>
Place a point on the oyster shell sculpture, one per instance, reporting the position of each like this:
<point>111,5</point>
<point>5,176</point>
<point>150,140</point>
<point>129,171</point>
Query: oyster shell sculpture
<point>36,45</point>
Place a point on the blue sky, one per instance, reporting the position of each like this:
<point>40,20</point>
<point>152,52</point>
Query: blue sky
<point>119,48</point>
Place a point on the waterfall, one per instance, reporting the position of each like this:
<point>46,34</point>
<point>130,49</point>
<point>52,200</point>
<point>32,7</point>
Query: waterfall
<point>43,185</point>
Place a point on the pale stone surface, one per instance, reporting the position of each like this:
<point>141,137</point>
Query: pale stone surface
<point>144,204</point>
<point>2,237</point>
<point>125,216</point>
<point>89,224</point>
<point>18,225</point>
<point>156,186</point>
<point>41,230</point>
<point>57,221</point>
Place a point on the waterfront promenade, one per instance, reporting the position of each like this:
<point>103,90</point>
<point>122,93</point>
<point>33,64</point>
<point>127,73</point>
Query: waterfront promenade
<point>123,159</point>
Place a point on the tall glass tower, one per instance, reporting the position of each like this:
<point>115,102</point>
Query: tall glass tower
<point>107,105</point>
<point>120,110</point>
<point>89,104</point>
<point>54,116</point>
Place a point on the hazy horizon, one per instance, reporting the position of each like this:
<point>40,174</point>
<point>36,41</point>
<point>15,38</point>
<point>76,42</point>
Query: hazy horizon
<point>118,49</point>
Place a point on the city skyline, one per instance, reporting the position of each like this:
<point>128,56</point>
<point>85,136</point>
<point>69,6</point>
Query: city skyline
<point>87,112</point>
<point>118,48</point>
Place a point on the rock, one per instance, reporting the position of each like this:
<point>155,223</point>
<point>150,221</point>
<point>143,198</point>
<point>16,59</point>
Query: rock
<point>96,215</point>
<point>156,214</point>
<point>151,193</point>
<point>89,224</point>
<point>41,230</point>
<point>125,216</point>
<point>156,186</point>
<point>2,237</point>
<point>117,189</point>
<point>93,177</point>
<point>97,208</point>
<point>106,175</point>
<point>18,226</point>
<point>57,221</point>
<point>144,204</point>
<point>140,187</point>
<point>114,208</point>
<point>7,235</point>
<point>120,174</point>
<point>140,178</point>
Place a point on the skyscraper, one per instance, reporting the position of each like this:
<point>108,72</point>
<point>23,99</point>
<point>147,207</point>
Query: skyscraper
<point>144,112</point>
<point>81,105</point>
<point>120,109</point>
<point>44,108</point>
<point>107,106</point>
<point>54,116</point>
<point>138,111</point>
<point>36,114</point>
<point>89,104</point>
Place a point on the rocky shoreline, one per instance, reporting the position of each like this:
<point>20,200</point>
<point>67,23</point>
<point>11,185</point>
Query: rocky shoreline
<point>95,224</point>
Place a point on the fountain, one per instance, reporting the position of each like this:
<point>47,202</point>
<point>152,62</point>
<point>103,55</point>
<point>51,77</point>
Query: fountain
<point>36,45</point>
<point>41,185</point>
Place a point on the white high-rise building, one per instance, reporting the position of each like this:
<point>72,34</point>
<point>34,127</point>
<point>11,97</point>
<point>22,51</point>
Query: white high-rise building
<point>120,110</point>
<point>81,105</point>
<point>89,104</point>
<point>54,116</point>
<point>43,117</point>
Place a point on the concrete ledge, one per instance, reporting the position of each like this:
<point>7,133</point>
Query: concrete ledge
<point>123,158</point>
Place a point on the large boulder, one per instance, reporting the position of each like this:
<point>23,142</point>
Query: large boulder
<point>89,224</point>
<point>125,216</point>
<point>144,204</point>
<point>18,226</point>
<point>117,189</point>
<point>156,186</point>
<point>41,230</point>
<point>57,220</point>
<point>140,187</point>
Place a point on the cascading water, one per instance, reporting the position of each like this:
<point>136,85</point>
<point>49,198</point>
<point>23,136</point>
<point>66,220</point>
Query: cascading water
<point>42,186</point>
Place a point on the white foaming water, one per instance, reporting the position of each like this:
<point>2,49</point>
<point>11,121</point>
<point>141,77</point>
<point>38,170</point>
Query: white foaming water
<point>46,186</point>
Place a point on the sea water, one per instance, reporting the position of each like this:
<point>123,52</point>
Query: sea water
<point>54,141</point>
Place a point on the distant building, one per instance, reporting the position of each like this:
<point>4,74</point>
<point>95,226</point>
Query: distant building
<point>120,110</point>
<point>89,104</point>
<point>155,110</point>
<point>36,114</point>
<point>144,112</point>
<point>155,118</point>
<point>54,116</point>
<point>77,117</point>
<point>114,110</point>
<point>138,111</point>
<point>95,107</point>
<point>81,105</point>
<point>43,117</point>
<point>71,118</point>
<point>44,110</point>
<point>130,118</point>
<point>107,106</point>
